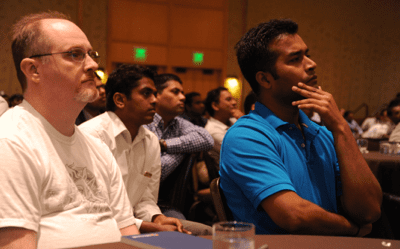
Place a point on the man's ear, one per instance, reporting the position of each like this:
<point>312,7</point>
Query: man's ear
<point>30,68</point>
<point>119,100</point>
<point>215,106</point>
<point>264,79</point>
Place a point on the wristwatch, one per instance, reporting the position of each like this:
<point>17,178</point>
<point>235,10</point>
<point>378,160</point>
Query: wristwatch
<point>163,145</point>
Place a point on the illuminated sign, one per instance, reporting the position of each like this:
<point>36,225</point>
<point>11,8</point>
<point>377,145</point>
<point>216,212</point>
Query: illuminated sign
<point>140,54</point>
<point>198,58</point>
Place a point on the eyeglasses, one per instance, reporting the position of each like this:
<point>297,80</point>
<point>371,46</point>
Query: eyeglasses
<point>76,54</point>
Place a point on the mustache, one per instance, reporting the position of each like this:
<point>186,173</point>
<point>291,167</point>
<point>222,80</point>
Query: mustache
<point>312,77</point>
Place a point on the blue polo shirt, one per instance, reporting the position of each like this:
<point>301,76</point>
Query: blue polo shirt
<point>262,155</point>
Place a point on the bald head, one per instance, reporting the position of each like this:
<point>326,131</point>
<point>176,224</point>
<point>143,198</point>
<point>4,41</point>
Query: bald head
<point>28,39</point>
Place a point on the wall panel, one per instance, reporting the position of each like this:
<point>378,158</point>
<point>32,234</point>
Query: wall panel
<point>140,22</point>
<point>201,28</point>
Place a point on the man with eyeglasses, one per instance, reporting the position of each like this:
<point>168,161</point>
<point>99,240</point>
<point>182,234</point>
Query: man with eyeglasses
<point>60,187</point>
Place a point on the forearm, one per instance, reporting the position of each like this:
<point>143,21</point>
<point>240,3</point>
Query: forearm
<point>129,230</point>
<point>362,194</point>
<point>14,237</point>
<point>149,227</point>
<point>321,222</point>
<point>300,216</point>
<point>195,141</point>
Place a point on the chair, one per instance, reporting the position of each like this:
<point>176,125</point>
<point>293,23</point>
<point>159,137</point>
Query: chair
<point>175,192</point>
<point>219,201</point>
<point>212,166</point>
<point>391,206</point>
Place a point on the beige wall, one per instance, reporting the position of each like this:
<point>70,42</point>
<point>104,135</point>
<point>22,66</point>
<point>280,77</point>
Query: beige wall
<point>90,14</point>
<point>355,44</point>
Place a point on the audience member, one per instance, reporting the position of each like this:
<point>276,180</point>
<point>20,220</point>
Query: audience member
<point>60,187</point>
<point>131,104</point>
<point>222,107</point>
<point>379,117</point>
<point>15,99</point>
<point>194,109</point>
<point>3,105</point>
<point>355,128</point>
<point>313,116</point>
<point>394,115</point>
<point>97,107</point>
<point>177,136</point>
<point>377,127</point>
<point>280,171</point>
<point>249,102</point>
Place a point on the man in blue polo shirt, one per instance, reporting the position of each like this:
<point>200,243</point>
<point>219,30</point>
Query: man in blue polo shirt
<point>281,171</point>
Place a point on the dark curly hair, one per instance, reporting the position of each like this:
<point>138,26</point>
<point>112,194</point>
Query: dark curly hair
<point>213,97</point>
<point>123,80</point>
<point>253,50</point>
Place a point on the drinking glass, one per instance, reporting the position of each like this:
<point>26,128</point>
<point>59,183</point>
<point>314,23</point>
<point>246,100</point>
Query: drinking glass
<point>362,145</point>
<point>234,235</point>
<point>384,147</point>
<point>395,149</point>
<point>229,235</point>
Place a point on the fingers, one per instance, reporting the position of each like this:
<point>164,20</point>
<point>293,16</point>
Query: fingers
<point>236,113</point>
<point>179,227</point>
<point>365,230</point>
<point>186,231</point>
<point>309,91</point>
<point>309,104</point>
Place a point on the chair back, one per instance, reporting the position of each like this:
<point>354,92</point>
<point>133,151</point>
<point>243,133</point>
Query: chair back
<point>175,191</point>
<point>219,201</point>
<point>212,166</point>
<point>391,206</point>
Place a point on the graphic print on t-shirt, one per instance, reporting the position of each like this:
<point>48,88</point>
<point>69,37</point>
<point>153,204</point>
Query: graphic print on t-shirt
<point>94,198</point>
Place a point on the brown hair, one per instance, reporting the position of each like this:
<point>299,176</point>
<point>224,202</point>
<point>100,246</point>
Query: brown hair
<point>28,40</point>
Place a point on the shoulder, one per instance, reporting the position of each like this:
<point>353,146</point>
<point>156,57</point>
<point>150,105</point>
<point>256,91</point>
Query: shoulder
<point>19,123</point>
<point>97,147</point>
<point>251,124</point>
<point>98,126</point>
<point>210,123</point>
<point>395,135</point>
<point>149,135</point>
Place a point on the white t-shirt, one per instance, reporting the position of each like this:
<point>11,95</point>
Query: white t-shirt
<point>395,136</point>
<point>3,105</point>
<point>217,130</point>
<point>139,161</point>
<point>67,189</point>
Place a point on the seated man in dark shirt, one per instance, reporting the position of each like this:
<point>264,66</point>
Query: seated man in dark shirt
<point>280,171</point>
<point>194,109</point>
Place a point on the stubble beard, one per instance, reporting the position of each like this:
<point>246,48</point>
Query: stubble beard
<point>86,95</point>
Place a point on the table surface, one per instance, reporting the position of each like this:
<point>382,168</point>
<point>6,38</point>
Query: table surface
<point>377,162</point>
<point>376,156</point>
<point>299,242</point>
<point>386,169</point>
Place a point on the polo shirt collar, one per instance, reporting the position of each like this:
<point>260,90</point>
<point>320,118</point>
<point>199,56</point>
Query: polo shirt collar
<point>276,122</point>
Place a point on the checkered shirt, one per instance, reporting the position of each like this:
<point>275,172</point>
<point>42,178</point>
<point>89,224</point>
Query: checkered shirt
<point>181,137</point>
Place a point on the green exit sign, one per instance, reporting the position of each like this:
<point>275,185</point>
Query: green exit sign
<point>140,54</point>
<point>198,58</point>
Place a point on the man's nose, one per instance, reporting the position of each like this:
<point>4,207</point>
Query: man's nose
<point>310,64</point>
<point>90,64</point>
